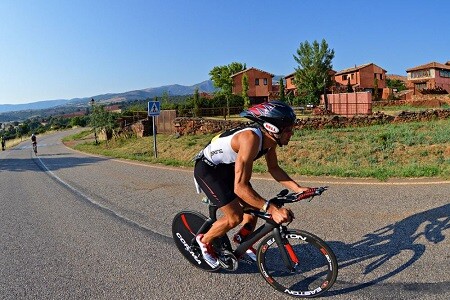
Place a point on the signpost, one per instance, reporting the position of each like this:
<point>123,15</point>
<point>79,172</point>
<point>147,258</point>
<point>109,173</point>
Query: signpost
<point>153,111</point>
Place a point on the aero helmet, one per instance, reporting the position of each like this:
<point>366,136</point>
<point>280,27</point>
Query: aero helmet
<point>274,116</point>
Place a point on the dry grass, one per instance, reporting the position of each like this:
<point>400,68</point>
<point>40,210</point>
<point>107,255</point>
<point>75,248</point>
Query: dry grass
<point>419,149</point>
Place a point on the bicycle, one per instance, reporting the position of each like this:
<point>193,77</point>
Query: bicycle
<point>35,148</point>
<point>292,261</point>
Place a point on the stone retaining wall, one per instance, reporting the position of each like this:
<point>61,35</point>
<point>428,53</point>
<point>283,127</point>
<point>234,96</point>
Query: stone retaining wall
<point>193,126</point>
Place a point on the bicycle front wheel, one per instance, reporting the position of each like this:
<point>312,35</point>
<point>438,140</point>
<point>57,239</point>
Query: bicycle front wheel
<point>315,265</point>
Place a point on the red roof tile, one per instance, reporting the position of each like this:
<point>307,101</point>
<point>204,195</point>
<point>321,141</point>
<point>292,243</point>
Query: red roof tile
<point>246,70</point>
<point>431,65</point>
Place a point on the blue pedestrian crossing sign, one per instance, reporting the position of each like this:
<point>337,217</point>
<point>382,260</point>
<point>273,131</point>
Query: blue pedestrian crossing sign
<point>153,108</point>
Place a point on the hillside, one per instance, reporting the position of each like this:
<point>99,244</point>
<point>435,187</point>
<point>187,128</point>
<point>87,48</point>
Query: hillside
<point>34,105</point>
<point>17,112</point>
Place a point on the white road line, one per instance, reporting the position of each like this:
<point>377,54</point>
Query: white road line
<point>92,201</point>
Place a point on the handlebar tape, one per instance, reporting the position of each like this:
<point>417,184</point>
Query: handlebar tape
<point>307,194</point>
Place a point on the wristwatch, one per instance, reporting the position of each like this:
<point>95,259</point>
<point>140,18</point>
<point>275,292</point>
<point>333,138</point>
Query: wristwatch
<point>266,206</point>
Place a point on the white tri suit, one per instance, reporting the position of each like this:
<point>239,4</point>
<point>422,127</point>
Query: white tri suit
<point>214,167</point>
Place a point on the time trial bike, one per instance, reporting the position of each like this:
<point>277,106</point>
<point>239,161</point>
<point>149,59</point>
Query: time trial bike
<point>34,147</point>
<point>292,261</point>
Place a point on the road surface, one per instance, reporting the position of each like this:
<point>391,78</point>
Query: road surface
<point>76,226</point>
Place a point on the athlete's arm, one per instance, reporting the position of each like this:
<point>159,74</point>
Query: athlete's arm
<point>279,174</point>
<point>246,144</point>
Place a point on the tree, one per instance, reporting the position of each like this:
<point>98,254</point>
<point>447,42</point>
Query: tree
<point>103,120</point>
<point>349,86</point>
<point>245,91</point>
<point>165,99</point>
<point>221,78</point>
<point>396,84</point>
<point>311,77</point>
<point>376,95</point>
<point>282,93</point>
<point>196,102</point>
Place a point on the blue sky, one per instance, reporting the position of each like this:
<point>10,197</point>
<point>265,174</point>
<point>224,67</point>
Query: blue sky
<point>61,49</point>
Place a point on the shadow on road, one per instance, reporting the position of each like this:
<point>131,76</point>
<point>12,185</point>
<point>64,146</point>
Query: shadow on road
<point>53,163</point>
<point>389,250</point>
<point>386,252</point>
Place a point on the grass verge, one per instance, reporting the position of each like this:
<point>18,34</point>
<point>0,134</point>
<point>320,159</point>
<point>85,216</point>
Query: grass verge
<point>407,150</point>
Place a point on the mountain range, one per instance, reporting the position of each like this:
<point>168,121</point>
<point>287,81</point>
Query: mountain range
<point>173,90</point>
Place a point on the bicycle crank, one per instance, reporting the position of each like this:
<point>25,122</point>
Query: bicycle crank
<point>228,261</point>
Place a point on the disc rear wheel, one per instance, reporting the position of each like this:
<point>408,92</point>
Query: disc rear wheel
<point>185,226</point>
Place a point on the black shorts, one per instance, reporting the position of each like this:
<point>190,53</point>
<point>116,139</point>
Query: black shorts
<point>216,182</point>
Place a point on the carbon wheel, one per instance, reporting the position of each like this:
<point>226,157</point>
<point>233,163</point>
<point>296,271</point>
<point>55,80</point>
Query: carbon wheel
<point>185,226</point>
<point>315,264</point>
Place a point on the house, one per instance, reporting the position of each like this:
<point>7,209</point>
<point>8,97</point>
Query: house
<point>433,77</point>
<point>259,84</point>
<point>290,85</point>
<point>361,78</point>
<point>113,108</point>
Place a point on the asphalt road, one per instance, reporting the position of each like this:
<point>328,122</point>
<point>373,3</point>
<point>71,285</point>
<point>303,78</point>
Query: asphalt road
<point>75,226</point>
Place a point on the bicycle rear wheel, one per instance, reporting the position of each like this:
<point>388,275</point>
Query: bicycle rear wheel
<point>185,226</point>
<point>315,264</point>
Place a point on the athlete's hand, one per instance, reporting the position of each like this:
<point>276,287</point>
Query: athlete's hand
<point>280,215</point>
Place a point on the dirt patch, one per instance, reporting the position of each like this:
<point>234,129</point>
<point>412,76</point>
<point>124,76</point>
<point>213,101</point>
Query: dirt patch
<point>427,103</point>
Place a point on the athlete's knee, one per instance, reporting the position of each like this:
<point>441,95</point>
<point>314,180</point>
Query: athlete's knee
<point>234,220</point>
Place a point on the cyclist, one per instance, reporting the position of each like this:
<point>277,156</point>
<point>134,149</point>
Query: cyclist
<point>34,142</point>
<point>223,170</point>
<point>3,143</point>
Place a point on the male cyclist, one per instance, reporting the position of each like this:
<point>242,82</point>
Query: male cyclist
<point>3,143</point>
<point>34,142</point>
<point>224,168</point>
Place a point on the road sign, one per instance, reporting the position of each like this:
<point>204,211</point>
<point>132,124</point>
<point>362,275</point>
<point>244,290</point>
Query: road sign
<point>153,108</point>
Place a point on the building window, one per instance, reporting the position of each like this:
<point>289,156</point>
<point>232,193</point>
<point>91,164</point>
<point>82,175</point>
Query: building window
<point>420,86</point>
<point>265,81</point>
<point>444,73</point>
<point>292,81</point>
<point>420,73</point>
<point>256,81</point>
<point>352,75</point>
<point>344,77</point>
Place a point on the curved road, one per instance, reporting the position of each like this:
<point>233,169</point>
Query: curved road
<point>75,226</point>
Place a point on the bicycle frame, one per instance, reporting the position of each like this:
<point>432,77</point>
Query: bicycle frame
<point>289,258</point>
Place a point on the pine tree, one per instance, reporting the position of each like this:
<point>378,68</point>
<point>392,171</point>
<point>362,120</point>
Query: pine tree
<point>311,76</point>
<point>376,96</point>
<point>196,101</point>
<point>282,94</point>
<point>245,91</point>
<point>349,87</point>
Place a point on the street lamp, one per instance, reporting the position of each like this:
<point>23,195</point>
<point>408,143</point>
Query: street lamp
<point>92,102</point>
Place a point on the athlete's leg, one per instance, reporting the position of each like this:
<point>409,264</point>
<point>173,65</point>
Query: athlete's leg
<point>232,217</point>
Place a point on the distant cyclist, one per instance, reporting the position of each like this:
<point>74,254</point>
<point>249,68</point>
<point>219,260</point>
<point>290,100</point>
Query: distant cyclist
<point>224,168</point>
<point>34,143</point>
<point>3,143</point>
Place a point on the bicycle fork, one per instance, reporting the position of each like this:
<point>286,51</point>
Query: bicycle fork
<point>288,255</point>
